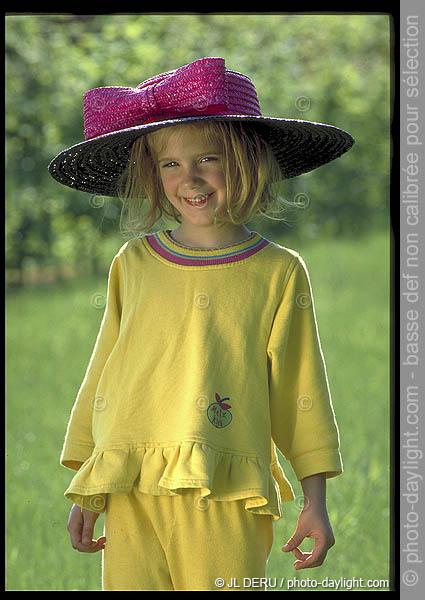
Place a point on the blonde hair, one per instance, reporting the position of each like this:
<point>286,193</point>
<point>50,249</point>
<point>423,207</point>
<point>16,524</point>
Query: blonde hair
<point>251,173</point>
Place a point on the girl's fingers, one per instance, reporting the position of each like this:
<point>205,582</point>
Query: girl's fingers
<point>304,561</point>
<point>92,545</point>
<point>87,537</point>
<point>309,559</point>
<point>95,546</point>
<point>300,555</point>
<point>80,527</point>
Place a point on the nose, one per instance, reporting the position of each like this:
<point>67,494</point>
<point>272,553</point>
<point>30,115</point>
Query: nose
<point>191,179</point>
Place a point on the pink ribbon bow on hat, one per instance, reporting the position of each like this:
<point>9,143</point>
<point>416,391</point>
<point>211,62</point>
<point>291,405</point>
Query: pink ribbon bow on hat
<point>204,87</point>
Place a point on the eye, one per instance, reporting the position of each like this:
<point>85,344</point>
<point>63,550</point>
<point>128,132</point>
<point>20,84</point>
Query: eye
<point>208,158</point>
<point>172,163</point>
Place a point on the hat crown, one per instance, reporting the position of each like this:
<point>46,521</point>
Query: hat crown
<point>203,90</point>
<point>203,87</point>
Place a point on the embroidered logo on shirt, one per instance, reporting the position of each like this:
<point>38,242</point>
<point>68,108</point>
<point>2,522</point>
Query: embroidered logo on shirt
<point>218,412</point>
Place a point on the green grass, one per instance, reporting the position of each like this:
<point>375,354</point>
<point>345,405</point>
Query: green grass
<point>50,333</point>
<point>351,287</point>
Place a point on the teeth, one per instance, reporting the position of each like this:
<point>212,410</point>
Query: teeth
<point>198,199</point>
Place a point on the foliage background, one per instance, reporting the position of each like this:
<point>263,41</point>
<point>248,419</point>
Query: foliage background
<point>325,68</point>
<point>331,68</point>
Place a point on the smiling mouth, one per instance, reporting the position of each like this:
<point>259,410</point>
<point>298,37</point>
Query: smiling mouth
<point>199,201</point>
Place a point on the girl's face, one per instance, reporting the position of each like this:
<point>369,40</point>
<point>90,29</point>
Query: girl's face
<point>192,169</point>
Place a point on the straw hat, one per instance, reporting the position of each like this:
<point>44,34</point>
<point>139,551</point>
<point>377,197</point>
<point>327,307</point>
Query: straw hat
<point>205,89</point>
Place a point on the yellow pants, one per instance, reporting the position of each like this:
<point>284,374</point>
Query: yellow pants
<point>183,543</point>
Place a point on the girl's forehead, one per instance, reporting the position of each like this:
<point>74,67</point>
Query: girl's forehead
<point>181,136</point>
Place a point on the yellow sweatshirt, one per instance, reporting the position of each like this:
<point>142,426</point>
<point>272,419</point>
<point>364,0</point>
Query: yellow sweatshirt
<point>205,362</point>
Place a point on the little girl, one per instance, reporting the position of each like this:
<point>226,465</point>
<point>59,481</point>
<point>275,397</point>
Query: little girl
<point>208,356</point>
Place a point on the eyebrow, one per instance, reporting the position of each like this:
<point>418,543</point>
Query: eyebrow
<point>171,158</point>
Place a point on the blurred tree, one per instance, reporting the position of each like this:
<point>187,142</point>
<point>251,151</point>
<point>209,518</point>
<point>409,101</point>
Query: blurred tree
<point>326,68</point>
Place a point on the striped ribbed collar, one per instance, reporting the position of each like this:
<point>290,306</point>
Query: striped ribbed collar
<point>165,246</point>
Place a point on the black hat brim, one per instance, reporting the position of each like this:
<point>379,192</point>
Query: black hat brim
<point>95,166</point>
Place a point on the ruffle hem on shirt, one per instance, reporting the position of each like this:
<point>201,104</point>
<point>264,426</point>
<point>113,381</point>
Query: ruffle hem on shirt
<point>157,470</point>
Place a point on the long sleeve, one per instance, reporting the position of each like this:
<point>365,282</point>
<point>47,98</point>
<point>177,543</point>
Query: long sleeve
<point>302,417</point>
<point>78,444</point>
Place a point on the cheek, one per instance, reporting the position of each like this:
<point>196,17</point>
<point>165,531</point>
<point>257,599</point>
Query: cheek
<point>167,183</point>
<point>218,178</point>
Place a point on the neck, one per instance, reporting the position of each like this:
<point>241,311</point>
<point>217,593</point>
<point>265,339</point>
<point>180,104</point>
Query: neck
<point>201,237</point>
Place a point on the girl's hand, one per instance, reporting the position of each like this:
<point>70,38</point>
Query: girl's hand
<point>81,526</point>
<point>313,522</point>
